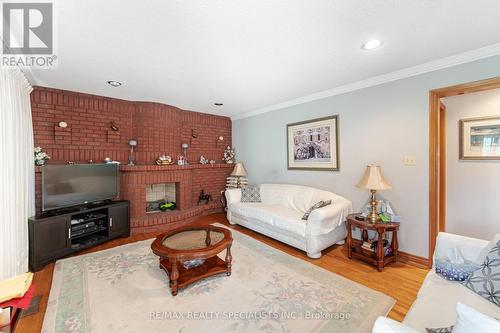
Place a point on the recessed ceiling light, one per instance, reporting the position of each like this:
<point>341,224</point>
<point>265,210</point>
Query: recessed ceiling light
<point>371,44</point>
<point>218,104</point>
<point>114,83</point>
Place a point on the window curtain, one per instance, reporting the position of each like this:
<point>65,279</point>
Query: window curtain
<point>17,171</point>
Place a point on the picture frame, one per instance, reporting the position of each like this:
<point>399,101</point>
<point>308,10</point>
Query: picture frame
<point>479,138</point>
<point>313,144</point>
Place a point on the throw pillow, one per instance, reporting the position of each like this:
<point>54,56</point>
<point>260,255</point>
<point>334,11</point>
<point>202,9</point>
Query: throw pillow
<point>440,330</point>
<point>250,194</point>
<point>486,250</point>
<point>453,271</point>
<point>486,280</point>
<point>386,325</point>
<point>470,320</point>
<point>316,206</point>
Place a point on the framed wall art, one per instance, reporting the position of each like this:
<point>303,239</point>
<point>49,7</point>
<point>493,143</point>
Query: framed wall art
<point>480,138</point>
<point>314,144</point>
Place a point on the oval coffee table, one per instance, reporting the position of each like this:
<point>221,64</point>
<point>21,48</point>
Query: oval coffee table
<point>189,254</point>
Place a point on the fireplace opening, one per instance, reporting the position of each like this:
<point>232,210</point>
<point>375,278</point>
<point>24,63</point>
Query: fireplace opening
<point>160,197</point>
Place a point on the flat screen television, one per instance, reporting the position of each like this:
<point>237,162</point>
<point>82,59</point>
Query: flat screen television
<point>69,185</point>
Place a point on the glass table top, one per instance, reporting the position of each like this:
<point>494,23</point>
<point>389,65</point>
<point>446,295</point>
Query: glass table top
<point>193,239</point>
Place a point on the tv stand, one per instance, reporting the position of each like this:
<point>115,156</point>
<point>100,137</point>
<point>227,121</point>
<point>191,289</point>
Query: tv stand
<point>60,233</point>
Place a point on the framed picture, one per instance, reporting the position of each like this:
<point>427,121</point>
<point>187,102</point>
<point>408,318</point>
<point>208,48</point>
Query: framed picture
<point>314,144</point>
<point>480,138</point>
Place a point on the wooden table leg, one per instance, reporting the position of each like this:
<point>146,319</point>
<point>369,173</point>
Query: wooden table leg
<point>364,235</point>
<point>208,240</point>
<point>349,241</point>
<point>229,258</point>
<point>174,276</point>
<point>380,250</point>
<point>395,246</point>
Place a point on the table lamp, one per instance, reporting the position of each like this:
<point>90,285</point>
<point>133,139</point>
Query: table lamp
<point>238,172</point>
<point>132,143</point>
<point>373,180</point>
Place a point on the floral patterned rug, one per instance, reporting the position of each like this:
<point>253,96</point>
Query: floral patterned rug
<point>124,290</point>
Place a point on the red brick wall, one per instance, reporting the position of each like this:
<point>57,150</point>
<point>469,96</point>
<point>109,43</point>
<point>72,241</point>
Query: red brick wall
<point>159,129</point>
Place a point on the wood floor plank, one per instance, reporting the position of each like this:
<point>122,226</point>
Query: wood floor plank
<point>399,280</point>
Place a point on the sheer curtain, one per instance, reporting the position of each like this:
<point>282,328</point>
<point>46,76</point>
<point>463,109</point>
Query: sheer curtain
<point>17,171</point>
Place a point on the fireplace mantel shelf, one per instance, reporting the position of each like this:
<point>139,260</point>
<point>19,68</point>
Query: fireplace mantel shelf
<point>147,167</point>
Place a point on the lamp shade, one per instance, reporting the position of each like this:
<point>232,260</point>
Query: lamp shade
<point>373,179</point>
<point>239,170</point>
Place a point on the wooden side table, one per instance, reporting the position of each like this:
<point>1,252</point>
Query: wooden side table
<point>376,258</point>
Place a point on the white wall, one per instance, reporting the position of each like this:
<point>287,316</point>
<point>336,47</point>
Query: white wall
<point>473,187</point>
<point>377,124</point>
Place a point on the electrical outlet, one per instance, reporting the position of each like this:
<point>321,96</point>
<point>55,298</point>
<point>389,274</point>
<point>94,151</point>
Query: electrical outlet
<point>410,160</point>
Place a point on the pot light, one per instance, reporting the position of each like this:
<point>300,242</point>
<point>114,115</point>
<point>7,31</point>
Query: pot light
<point>114,83</point>
<point>218,104</point>
<point>371,44</point>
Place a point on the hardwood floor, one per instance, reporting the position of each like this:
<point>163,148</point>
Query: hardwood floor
<point>400,281</point>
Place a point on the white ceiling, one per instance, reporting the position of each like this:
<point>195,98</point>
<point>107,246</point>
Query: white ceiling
<point>250,54</point>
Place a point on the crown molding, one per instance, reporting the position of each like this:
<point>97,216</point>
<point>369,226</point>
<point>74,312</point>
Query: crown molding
<point>457,59</point>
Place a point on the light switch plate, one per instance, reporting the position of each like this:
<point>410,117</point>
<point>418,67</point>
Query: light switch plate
<point>410,160</point>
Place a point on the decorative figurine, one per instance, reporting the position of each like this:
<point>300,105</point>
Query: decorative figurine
<point>229,155</point>
<point>164,160</point>
<point>181,160</point>
<point>203,160</point>
<point>204,197</point>
<point>113,126</point>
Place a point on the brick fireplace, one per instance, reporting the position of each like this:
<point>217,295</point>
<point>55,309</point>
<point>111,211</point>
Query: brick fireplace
<point>189,181</point>
<point>159,130</point>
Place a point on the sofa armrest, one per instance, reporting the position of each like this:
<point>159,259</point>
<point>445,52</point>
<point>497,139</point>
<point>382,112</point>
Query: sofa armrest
<point>468,246</point>
<point>233,195</point>
<point>323,220</point>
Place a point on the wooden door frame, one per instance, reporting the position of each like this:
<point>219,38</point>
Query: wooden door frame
<point>437,147</point>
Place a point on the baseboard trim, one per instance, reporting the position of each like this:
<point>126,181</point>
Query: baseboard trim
<point>413,260</point>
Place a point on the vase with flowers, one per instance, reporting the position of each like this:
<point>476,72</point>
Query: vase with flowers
<point>40,156</point>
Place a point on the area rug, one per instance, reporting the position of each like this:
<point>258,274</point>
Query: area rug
<point>123,290</point>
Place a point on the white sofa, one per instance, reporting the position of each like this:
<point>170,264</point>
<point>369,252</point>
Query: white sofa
<point>279,216</point>
<point>437,298</point>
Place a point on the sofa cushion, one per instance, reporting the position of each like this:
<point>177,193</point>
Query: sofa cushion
<point>436,302</point>
<point>254,210</point>
<point>279,216</point>
<point>486,280</point>
<point>290,220</point>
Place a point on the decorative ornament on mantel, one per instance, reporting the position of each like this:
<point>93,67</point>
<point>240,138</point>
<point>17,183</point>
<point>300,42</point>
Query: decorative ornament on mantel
<point>40,156</point>
<point>229,155</point>
<point>165,160</point>
<point>203,160</point>
<point>114,127</point>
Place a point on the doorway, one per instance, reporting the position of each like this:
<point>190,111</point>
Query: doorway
<point>437,153</point>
